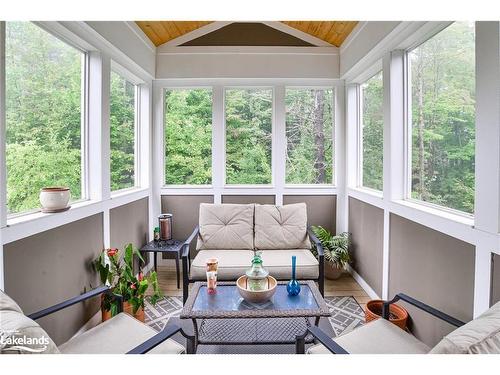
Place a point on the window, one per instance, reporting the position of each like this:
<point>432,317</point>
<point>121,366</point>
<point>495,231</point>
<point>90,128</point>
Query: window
<point>309,136</point>
<point>43,115</point>
<point>122,132</point>
<point>443,118</point>
<point>249,136</point>
<point>188,137</point>
<point>372,132</point>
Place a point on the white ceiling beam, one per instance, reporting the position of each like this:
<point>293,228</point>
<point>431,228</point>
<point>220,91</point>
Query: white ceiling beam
<point>298,34</point>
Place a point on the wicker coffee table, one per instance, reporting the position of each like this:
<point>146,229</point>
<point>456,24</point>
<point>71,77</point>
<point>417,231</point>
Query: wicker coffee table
<point>225,318</point>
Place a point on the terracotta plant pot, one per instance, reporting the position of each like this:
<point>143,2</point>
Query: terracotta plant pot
<point>397,314</point>
<point>332,272</point>
<point>139,315</point>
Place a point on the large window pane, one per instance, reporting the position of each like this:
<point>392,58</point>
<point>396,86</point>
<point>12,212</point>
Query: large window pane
<point>188,137</point>
<point>373,132</point>
<point>122,132</point>
<point>443,118</point>
<point>43,115</point>
<point>248,136</point>
<point>309,130</point>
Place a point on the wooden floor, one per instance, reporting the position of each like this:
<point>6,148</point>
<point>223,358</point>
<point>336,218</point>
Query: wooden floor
<point>345,286</point>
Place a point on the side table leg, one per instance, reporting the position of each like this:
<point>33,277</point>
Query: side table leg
<point>155,260</point>
<point>177,270</point>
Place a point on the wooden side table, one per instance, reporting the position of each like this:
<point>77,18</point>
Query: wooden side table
<point>173,249</point>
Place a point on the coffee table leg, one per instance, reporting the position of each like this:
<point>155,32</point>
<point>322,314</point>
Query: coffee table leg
<point>195,330</point>
<point>316,321</point>
<point>177,270</point>
<point>300,344</point>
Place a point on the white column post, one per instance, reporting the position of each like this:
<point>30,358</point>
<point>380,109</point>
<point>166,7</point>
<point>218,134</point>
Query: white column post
<point>487,196</point>
<point>340,161</point>
<point>99,134</point>
<point>146,177</point>
<point>279,143</point>
<point>393,150</point>
<point>351,152</point>
<point>218,142</point>
<point>158,170</point>
<point>3,171</point>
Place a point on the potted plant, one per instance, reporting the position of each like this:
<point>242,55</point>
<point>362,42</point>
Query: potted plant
<point>118,273</point>
<point>397,314</point>
<point>336,249</point>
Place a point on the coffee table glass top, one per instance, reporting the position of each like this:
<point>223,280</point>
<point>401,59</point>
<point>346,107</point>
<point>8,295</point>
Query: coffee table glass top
<point>227,302</point>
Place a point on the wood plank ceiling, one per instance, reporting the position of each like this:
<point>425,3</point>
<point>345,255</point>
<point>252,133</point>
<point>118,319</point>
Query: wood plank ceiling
<point>333,32</point>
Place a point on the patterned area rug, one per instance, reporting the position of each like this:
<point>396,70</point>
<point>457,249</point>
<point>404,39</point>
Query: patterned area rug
<point>346,313</point>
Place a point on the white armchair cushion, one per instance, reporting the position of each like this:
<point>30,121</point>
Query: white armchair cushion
<point>281,227</point>
<point>226,227</point>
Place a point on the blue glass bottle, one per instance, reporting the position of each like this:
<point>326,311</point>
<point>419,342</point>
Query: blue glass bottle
<point>293,286</point>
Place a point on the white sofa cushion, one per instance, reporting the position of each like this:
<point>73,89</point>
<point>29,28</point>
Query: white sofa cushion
<point>118,335</point>
<point>479,336</point>
<point>20,334</point>
<point>377,337</point>
<point>279,264</point>
<point>226,227</point>
<point>281,227</point>
<point>231,264</point>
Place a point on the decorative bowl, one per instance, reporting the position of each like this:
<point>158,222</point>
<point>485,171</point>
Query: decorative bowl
<point>54,198</point>
<point>256,296</point>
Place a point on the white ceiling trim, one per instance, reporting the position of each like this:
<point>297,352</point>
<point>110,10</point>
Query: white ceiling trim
<point>194,34</point>
<point>298,34</point>
<point>248,50</point>
<point>142,36</point>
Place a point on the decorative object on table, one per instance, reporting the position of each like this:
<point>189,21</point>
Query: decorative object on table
<point>156,234</point>
<point>118,273</point>
<point>336,248</point>
<point>212,265</point>
<point>165,222</point>
<point>257,275</point>
<point>256,296</point>
<point>55,199</point>
<point>397,314</point>
<point>293,286</point>
<point>166,249</point>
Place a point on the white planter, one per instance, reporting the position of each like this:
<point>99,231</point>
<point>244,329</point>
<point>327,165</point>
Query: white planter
<point>54,198</point>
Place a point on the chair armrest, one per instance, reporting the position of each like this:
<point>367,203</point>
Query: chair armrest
<point>69,302</point>
<point>157,339</point>
<point>190,239</point>
<point>422,306</point>
<point>323,338</point>
<point>317,242</point>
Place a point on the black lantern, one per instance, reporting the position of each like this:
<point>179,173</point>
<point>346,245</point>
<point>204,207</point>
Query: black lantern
<point>165,224</point>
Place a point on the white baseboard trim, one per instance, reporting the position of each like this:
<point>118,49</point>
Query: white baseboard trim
<point>367,288</point>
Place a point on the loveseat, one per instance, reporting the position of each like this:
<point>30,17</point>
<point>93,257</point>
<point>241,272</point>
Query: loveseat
<point>233,232</point>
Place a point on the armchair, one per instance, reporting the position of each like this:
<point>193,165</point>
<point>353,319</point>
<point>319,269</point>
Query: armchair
<point>381,336</point>
<point>121,334</point>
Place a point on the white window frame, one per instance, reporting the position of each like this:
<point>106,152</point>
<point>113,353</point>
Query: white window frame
<point>408,140</point>
<point>333,182</point>
<point>163,145</point>
<point>84,127</point>
<point>138,86</point>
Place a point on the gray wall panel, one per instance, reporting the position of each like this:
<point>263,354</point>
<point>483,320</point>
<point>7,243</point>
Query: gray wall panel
<point>366,225</point>
<point>53,266</point>
<point>434,268</point>
<point>246,199</point>
<point>495,280</point>
<point>129,224</point>
<point>321,209</point>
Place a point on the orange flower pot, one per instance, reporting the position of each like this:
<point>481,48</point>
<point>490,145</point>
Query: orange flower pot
<point>128,308</point>
<point>397,314</point>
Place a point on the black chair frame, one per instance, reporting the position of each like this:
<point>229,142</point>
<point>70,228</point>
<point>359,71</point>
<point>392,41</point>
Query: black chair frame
<point>140,349</point>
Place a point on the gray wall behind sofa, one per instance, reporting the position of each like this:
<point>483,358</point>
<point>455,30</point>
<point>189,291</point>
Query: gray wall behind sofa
<point>321,209</point>
<point>53,266</point>
<point>495,280</point>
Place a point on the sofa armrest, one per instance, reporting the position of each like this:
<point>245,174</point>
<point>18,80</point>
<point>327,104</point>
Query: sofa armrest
<point>422,306</point>
<point>160,337</point>
<point>324,339</point>
<point>187,243</point>
<point>317,242</point>
<point>69,302</point>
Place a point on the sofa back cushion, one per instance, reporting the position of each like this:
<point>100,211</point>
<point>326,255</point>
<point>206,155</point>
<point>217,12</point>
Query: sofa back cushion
<point>281,227</point>
<point>20,334</point>
<point>226,227</point>
<point>479,336</point>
